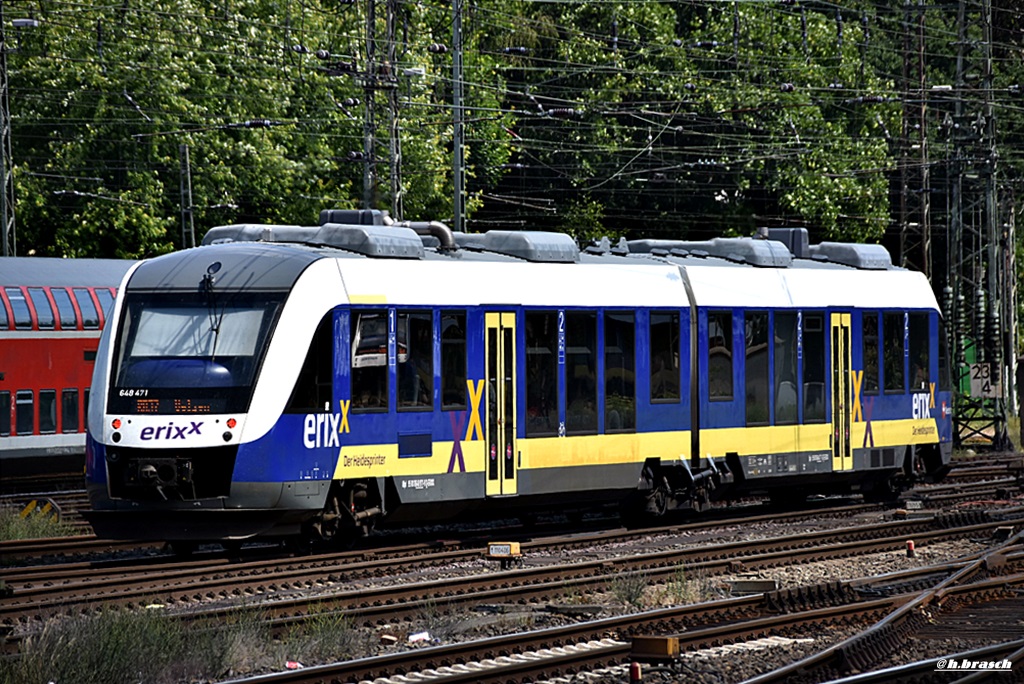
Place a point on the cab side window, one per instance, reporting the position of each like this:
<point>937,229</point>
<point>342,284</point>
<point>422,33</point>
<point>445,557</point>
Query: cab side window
<point>720,356</point>
<point>369,350</point>
<point>453,360</point>
<point>814,367</point>
<point>892,334</point>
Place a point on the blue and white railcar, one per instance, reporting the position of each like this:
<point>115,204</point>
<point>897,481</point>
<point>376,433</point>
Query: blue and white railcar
<point>283,379</point>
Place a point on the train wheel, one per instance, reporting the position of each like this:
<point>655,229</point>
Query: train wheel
<point>659,502</point>
<point>327,525</point>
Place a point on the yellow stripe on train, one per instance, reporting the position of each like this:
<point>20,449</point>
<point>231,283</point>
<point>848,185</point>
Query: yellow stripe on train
<point>382,460</point>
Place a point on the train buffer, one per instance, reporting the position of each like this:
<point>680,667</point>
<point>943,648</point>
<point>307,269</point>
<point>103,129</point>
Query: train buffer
<point>507,553</point>
<point>45,507</point>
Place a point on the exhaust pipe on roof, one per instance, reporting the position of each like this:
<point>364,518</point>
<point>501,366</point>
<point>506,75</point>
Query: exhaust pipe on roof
<point>439,230</point>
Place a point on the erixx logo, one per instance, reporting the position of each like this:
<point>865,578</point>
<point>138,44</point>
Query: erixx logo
<point>924,403</point>
<point>322,429</point>
<point>170,431</point>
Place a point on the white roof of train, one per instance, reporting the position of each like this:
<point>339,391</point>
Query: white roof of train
<point>481,282</point>
<point>809,288</point>
<point>391,265</point>
<point>627,283</point>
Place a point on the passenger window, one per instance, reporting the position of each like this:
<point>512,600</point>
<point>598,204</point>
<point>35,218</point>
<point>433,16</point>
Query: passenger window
<point>106,300</point>
<point>65,310</point>
<point>892,332</point>
<point>415,360</point>
<point>786,406</point>
<point>24,412</point>
<point>453,361</point>
<point>814,368</point>
<point>541,373</point>
<point>5,414</point>
<point>19,307</point>
<point>44,311</point>
<point>47,411</point>
<point>90,318</point>
<point>312,391</point>
<point>720,356</point>
<point>664,336</point>
<point>69,410</point>
<point>869,333</point>
<point>369,349</point>
<point>580,373</point>
<point>3,315</point>
<point>619,373</point>
<point>945,379</point>
<point>755,334</point>
<point>85,403</point>
<point>917,340</point>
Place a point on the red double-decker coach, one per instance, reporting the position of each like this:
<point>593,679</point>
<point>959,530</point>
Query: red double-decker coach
<point>51,315</point>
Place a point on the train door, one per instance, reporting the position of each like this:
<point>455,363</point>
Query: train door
<point>502,473</point>
<point>842,453</point>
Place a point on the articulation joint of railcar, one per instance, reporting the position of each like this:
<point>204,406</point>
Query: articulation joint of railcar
<point>350,511</point>
<point>679,487</point>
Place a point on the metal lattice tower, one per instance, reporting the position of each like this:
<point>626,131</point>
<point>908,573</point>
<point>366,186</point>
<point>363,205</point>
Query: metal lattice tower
<point>10,246</point>
<point>380,76</point>
<point>977,281</point>
<point>370,114</point>
<point>394,115</point>
<point>915,175</point>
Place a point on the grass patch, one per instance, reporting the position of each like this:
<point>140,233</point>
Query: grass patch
<point>33,526</point>
<point>149,646</point>
<point>682,589</point>
<point>324,637</point>
<point>437,620</point>
<point>629,588</point>
<point>111,647</point>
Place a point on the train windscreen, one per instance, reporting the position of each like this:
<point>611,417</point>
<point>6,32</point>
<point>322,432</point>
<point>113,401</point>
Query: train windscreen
<point>190,352</point>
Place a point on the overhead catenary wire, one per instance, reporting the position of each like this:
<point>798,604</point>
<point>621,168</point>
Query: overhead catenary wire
<point>558,88</point>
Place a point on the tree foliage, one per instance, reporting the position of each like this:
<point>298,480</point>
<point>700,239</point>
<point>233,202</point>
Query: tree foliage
<point>627,118</point>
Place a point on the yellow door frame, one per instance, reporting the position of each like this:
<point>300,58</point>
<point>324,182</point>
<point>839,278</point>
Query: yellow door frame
<point>502,469</point>
<point>842,404</point>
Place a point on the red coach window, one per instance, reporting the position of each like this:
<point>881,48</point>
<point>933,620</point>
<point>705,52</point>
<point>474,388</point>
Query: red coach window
<point>69,410</point>
<point>24,410</point>
<point>19,306</point>
<point>44,312</point>
<point>90,317</point>
<point>106,301</point>
<point>5,414</point>
<point>65,309</point>
<point>47,411</point>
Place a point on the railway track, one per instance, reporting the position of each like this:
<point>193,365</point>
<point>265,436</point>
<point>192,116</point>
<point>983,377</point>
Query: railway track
<point>64,505</point>
<point>43,483</point>
<point>879,625</point>
<point>63,548</point>
<point>80,580</point>
<point>19,551</point>
<point>192,587</point>
<point>288,598</point>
